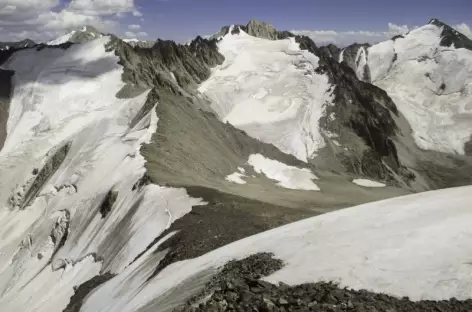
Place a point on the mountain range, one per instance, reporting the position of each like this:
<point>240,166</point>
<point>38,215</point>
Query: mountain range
<point>133,172</point>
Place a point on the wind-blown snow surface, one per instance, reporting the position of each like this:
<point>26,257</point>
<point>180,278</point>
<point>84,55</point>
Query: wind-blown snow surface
<point>430,84</point>
<point>270,89</point>
<point>60,96</point>
<point>288,176</point>
<point>418,245</point>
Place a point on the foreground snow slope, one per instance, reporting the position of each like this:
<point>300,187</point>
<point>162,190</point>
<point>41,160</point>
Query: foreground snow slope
<point>64,103</point>
<point>270,89</point>
<point>418,246</point>
<point>431,85</point>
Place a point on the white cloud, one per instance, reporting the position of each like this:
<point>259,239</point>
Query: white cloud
<point>394,30</point>
<point>465,29</point>
<point>345,38</point>
<point>102,7</point>
<point>134,27</point>
<point>132,35</point>
<point>44,19</point>
<point>137,13</point>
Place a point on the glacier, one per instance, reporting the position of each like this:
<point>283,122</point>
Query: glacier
<point>271,90</point>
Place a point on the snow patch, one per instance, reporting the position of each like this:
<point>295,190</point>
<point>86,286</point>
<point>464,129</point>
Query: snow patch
<point>368,183</point>
<point>288,176</point>
<point>236,177</point>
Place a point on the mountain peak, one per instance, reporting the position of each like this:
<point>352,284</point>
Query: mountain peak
<point>77,35</point>
<point>451,36</point>
<point>255,28</point>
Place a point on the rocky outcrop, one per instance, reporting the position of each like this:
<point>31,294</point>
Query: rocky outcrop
<point>27,193</point>
<point>451,37</point>
<point>331,50</point>
<point>108,203</point>
<point>238,287</point>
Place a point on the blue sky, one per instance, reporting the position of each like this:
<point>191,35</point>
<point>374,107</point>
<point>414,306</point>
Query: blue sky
<point>340,21</point>
<point>182,19</point>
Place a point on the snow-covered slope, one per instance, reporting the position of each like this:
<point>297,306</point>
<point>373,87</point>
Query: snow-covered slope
<point>431,84</point>
<point>270,89</point>
<point>62,39</point>
<point>69,206</point>
<point>418,246</point>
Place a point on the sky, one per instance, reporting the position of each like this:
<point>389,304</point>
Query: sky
<point>334,21</point>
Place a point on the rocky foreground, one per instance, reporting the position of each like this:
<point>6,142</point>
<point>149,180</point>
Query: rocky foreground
<point>238,287</point>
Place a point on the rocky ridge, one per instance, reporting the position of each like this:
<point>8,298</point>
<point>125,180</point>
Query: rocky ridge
<point>239,287</point>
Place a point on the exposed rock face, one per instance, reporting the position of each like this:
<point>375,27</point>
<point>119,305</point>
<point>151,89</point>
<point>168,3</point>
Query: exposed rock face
<point>450,36</point>
<point>262,30</point>
<point>331,50</point>
<point>255,28</point>
<point>168,62</point>
<point>353,55</point>
<point>238,287</point>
